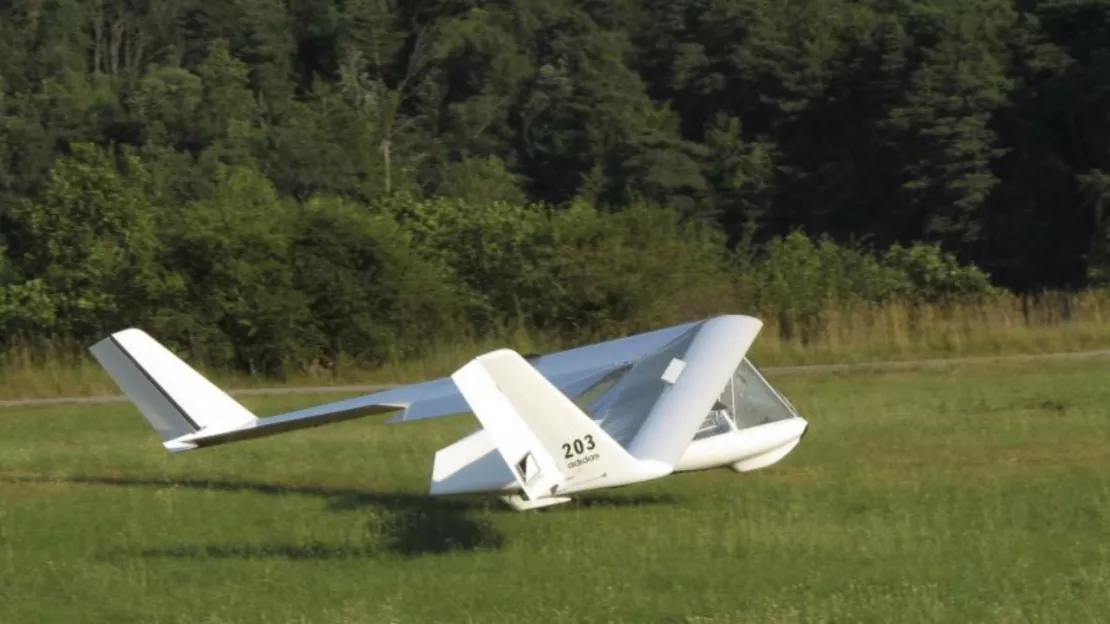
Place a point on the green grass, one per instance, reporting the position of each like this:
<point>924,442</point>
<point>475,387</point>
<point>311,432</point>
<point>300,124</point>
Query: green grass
<point>967,493</point>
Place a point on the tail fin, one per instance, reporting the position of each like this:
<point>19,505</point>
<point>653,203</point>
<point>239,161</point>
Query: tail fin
<point>547,441</point>
<point>175,399</point>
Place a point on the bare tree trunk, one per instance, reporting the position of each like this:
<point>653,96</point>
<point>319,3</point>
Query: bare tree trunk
<point>363,80</point>
<point>136,46</point>
<point>386,128</point>
<point>98,36</point>
<point>387,160</point>
<point>118,30</point>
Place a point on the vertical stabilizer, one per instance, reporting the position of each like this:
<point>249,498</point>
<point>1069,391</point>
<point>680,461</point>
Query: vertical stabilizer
<point>176,400</point>
<point>549,444</point>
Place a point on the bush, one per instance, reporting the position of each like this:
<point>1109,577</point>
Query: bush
<point>240,305</point>
<point>929,275</point>
<point>798,280</point>
<point>634,270</point>
<point>370,295</point>
<point>89,246</point>
<point>570,272</point>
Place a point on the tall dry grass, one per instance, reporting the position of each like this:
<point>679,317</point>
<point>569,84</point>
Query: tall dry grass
<point>1008,324</point>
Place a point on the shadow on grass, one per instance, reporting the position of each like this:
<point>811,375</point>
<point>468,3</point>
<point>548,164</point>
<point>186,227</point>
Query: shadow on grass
<point>314,551</point>
<point>590,501</point>
<point>409,524</point>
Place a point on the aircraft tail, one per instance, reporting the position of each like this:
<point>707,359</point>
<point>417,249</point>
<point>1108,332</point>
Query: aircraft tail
<point>177,401</point>
<point>547,441</point>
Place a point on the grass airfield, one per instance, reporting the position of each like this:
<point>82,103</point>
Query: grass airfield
<point>963,493</point>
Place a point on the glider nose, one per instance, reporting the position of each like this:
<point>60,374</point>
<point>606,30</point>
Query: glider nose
<point>768,444</point>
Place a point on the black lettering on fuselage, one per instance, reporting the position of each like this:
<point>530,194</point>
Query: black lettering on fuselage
<point>583,460</point>
<point>578,446</point>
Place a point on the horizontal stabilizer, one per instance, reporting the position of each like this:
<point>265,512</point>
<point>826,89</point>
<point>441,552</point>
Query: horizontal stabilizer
<point>547,441</point>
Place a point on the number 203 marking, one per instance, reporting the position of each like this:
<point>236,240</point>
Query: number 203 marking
<point>578,446</point>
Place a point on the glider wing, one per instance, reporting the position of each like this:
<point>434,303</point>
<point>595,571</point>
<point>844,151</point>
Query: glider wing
<point>188,411</point>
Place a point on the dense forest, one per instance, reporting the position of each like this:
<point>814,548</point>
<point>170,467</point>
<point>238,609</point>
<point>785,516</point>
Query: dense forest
<point>261,180</point>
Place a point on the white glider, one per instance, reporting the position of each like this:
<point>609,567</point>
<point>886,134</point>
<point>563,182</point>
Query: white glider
<point>624,411</point>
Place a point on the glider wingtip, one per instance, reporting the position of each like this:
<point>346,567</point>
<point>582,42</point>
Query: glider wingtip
<point>497,354</point>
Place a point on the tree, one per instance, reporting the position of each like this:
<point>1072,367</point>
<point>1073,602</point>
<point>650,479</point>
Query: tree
<point>949,146</point>
<point>381,66</point>
<point>240,306</point>
<point>92,244</point>
<point>372,297</point>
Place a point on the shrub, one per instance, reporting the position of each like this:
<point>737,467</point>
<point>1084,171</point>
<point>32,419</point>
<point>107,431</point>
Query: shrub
<point>798,280</point>
<point>370,295</point>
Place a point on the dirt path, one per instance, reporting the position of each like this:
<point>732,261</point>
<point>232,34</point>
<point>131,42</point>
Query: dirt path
<point>937,362</point>
<point>771,370</point>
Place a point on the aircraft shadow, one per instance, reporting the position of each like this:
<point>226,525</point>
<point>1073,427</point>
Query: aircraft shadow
<point>409,524</point>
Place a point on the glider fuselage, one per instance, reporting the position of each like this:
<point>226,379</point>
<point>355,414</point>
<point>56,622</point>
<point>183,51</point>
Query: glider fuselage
<point>472,465</point>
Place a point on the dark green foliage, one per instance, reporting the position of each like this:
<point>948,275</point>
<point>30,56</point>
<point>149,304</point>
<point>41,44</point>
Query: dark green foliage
<point>797,280</point>
<point>370,294</point>
<point>233,251</point>
<point>268,183</point>
<point>89,244</point>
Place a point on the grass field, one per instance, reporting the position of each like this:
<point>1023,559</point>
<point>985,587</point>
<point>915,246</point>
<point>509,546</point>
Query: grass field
<point>970,493</point>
